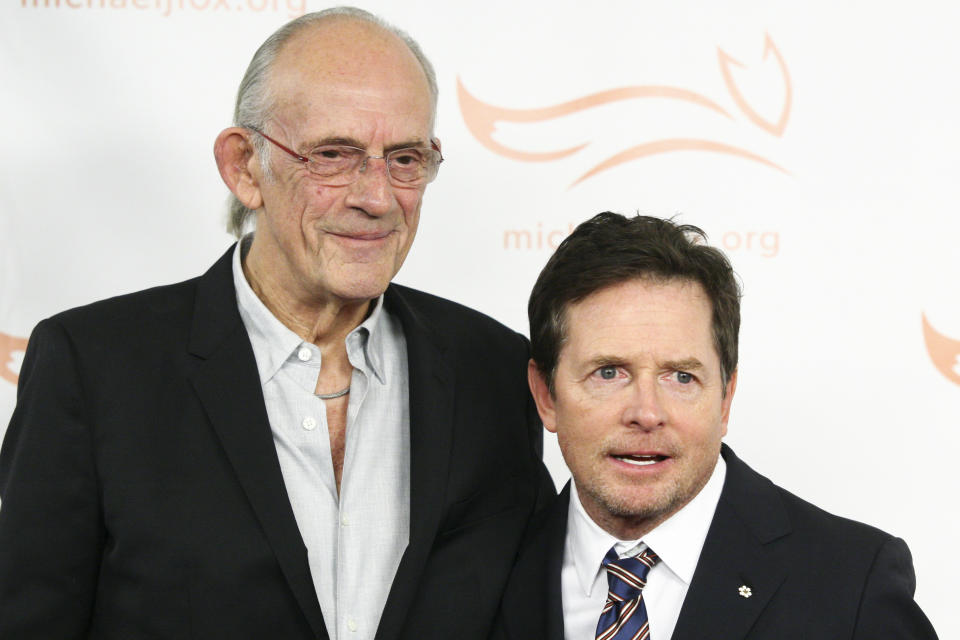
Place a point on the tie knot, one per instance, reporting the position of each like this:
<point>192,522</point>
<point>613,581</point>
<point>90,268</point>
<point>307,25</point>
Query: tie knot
<point>627,577</point>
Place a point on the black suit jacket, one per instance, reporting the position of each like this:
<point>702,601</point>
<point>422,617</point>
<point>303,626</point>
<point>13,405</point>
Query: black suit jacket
<point>142,496</point>
<point>812,575</point>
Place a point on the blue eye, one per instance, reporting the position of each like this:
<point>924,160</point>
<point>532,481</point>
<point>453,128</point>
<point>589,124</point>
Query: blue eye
<point>608,373</point>
<point>684,378</point>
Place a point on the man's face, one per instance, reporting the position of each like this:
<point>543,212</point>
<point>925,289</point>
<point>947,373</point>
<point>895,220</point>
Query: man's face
<point>638,404</point>
<point>349,83</point>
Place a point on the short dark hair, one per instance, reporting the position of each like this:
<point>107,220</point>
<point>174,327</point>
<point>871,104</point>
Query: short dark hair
<point>609,249</point>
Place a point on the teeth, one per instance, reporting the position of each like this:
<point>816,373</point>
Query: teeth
<point>640,461</point>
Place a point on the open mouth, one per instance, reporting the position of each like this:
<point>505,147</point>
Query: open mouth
<point>640,460</point>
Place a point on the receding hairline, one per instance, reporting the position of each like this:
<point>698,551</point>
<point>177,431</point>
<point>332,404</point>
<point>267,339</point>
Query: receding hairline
<point>330,26</point>
<point>342,26</point>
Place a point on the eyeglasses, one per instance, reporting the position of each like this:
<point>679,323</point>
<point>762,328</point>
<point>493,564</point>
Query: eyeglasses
<point>339,165</point>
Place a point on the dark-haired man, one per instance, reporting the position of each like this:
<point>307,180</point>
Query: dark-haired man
<point>664,533</point>
<point>288,446</point>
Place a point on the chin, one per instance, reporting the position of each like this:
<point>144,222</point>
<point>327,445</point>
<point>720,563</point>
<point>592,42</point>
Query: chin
<point>360,285</point>
<point>359,294</point>
<point>625,506</point>
<point>632,501</point>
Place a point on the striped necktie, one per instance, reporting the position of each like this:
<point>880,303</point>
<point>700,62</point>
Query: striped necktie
<point>624,615</point>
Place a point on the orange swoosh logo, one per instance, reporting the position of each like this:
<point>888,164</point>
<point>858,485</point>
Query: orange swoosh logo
<point>481,119</point>
<point>944,351</point>
<point>664,146</point>
<point>9,344</point>
<point>726,61</point>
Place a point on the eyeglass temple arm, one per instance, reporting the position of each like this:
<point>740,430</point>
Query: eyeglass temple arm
<point>282,146</point>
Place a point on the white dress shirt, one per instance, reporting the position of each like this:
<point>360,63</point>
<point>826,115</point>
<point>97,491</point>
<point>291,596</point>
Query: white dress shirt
<point>354,544</point>
<point>678,541</point>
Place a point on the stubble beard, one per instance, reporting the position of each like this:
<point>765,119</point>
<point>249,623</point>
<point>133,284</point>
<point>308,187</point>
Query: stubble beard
<point>637,510</point>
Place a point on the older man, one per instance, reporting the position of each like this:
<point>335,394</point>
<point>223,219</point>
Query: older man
<point>287,446</point>
<point>664,533</point>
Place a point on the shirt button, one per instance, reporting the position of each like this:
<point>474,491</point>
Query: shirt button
<point>345,520</point>
<point>352,624</point>
<point>304,354</point>
<point>309,423</point>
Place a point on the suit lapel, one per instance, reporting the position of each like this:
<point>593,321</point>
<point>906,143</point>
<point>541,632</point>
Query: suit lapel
<point>749,516</point>
<point>432,386</point>
<point>532,606</point>
<point>226,380</point>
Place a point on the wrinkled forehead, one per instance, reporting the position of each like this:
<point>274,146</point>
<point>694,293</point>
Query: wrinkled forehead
<point>350,64</point>
<point>666,299</point>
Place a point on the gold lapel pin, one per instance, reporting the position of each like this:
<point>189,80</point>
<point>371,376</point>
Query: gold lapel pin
<point>745,591</point>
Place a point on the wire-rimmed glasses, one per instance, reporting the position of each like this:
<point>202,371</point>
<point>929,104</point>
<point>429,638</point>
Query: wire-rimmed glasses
<point>339,165</point>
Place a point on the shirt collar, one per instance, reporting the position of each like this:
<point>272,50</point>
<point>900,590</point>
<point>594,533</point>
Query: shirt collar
<point>273,342</point>
<point>678,540</point>
<point>366,344</point>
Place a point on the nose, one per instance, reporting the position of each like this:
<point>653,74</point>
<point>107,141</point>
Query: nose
<point>644,409</point>
<point>372,192</point>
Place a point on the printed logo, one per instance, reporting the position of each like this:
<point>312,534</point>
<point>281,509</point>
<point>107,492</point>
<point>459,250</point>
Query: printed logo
<point>481,118</point>
<point>294,8</point>
<point>944,351</point>
<point>765,244</point>
<point>11,353</point>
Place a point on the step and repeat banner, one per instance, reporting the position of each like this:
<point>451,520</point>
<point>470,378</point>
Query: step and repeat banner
<point>816,143</point>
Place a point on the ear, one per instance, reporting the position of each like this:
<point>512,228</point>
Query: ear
<point>238,165</point>
<point>542,397</point>
<point>728,400</point>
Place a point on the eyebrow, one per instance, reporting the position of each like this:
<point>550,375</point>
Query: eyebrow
<point>686,364</point>
<point>353,142</point>
<point>604,361</point>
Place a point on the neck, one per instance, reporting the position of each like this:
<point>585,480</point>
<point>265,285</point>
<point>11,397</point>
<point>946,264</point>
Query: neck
<point>323,320</point>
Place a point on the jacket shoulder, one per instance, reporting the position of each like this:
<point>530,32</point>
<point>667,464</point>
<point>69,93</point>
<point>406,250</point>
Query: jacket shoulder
<point>449,317</point>
<point>859,578</point>
<point>159,299</point>
<point>807,514</point>
<point>772,511</point>
<point>140,315</point>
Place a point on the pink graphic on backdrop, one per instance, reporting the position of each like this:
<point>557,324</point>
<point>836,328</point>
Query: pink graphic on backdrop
<point>10,345</point>
<point>481,118</point>
<point>944,351</point>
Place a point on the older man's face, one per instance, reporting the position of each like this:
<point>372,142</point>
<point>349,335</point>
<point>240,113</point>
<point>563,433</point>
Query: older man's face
<point>638,403</point>
<point>344,82</point>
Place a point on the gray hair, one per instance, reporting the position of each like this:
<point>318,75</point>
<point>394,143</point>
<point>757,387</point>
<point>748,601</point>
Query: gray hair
<point>255,104</point>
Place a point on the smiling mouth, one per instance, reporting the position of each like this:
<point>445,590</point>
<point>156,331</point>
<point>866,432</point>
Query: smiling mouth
<point>380,235</point>
<point>640,460</point>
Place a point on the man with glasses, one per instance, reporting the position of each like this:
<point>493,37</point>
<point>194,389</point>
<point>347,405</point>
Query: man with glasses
<point>288,446</point>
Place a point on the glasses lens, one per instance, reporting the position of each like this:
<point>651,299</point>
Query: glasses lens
<point>341,165</point>
<point>335,160</point>
<point>413,165</point>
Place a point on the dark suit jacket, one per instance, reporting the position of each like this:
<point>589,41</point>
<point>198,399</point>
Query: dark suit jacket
<point>143,498</point>
<point>812,575</point>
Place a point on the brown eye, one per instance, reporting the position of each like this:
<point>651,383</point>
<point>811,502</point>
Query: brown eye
<point>405,158</point>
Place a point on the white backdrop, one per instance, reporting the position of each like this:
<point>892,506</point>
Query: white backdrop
<point>815,142</point>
